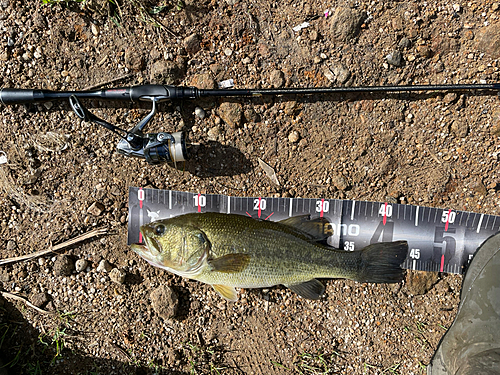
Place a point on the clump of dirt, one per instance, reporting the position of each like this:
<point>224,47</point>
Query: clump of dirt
<point>423,148</point>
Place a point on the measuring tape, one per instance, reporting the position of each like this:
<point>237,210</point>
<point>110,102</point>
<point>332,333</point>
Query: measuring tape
<point>439,239</point>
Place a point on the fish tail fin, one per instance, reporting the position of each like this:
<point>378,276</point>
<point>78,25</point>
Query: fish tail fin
<point>381,262</point>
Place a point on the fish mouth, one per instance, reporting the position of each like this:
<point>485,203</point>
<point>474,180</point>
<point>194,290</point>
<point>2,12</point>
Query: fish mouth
<point>148,250</point>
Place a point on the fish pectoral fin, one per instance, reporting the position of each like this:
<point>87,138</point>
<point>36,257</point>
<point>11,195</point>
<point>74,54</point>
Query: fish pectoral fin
<point>230,263</point>
<point>312,289</point>
<point>227,292</point>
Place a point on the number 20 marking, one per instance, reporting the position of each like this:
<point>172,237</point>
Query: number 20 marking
<point>261,202</point>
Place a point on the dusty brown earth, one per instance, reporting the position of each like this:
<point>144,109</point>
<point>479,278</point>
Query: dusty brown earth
<point>64,178</point>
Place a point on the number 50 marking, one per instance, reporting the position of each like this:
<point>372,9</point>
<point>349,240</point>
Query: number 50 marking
<point>448,216</point>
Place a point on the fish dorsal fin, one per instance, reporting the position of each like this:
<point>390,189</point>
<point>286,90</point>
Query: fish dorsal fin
<point>317,229</point>
<point>230,263</point>
<point>312,289</point>
<point>227,292</point>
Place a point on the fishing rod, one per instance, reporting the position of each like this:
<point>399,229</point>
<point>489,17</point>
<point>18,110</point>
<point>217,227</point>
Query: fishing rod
<point>158,148</point>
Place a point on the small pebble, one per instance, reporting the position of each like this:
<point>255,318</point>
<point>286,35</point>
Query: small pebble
<point>95,209</point>
<point>104,266</point>
<point>293,137</point>
<point>80,265</point>
<point>63,266</point>
<point>40,299</point>
<point>11,245</point>
<point>404,43</point>
<point>164,301</point>
<point>395,58</point>
<point>117,275</point>
<point>199,112</point>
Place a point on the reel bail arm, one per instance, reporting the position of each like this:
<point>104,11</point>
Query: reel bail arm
<point>155,148</point>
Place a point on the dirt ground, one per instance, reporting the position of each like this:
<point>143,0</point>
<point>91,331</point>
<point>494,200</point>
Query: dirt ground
<point>64,178</point>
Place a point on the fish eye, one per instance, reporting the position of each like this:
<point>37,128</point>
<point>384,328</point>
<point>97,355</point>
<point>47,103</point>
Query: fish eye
<point>160,229</point>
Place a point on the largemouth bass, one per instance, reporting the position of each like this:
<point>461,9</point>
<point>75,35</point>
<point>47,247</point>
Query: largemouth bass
<point>231,251</point>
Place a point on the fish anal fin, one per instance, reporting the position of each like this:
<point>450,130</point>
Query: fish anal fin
<point>318,229</point>
<point>230,263</point>
<point>312,289</point>
<point>227,292</point>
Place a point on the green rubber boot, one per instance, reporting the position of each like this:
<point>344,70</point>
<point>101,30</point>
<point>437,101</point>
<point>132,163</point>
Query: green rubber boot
<point>472,344</point>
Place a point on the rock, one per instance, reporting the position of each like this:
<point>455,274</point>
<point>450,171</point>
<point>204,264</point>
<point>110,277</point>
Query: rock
<point>250,115</point>
<point>94,29</point>
<point>459,128</point>
<point>342,74</point>
<point>164,301</point>
<point>420,282</point>
<point>11,245</point>
<point>340,182</point>
<point>63,266</point>
<point>192,44</point>
<point>450,97</point>
<point>199,112</point>
<point>80,265</point>
<point>166,72</point>
<point>479,188</point>
<point>4,276</point>
<point>291,108</point>
<point>404,43</point>
<point>488,40</point>
<point>443,45</point>
<point>104,266</point>
<point>293,137</point>
<point>231,113</point>
<point>438,67</point>
<point>277,78</point>
<point>40,299</point>
<point>346,24</point>
<point>424,51</point>
<point>133,60</point>
<point>4,55</point>
<point>329,74</point>
<point>203,81</point>
<point>117,275</point>
<point>95,209</point>
<point>395,58</point>
<point>214,133</point>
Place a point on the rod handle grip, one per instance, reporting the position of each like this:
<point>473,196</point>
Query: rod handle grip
<point>20,96</point>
